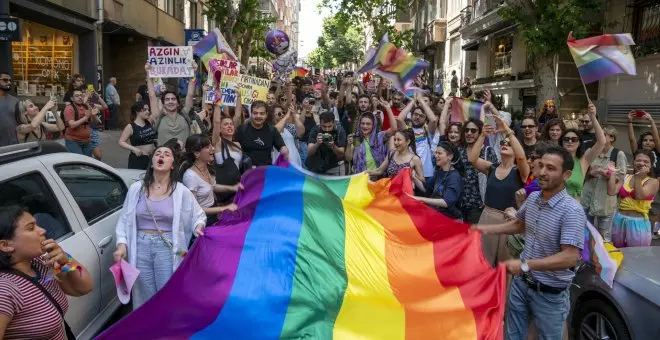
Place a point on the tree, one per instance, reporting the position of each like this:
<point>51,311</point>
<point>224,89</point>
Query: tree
<point>242,23</point>
<point>340,43</point>
<point>545,25</point>
<point>379,14</point>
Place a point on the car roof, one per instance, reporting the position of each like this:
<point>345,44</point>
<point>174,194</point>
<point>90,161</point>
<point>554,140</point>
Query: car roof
<point>17,152</point>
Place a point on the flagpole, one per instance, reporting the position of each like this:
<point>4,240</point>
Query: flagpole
<point>585,90</point>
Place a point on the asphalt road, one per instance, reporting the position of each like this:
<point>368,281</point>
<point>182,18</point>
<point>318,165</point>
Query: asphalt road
<point>113,154</point>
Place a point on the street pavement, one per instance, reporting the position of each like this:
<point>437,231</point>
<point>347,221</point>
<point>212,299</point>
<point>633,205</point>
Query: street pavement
<point>113,154</point>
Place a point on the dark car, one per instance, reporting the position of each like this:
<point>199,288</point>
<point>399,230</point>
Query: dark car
<point>628,310</point>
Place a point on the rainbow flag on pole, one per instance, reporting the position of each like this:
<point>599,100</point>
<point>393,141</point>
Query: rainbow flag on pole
<point>299,72</point>
<point>602,56</point>
<point>463,109</point>
<point>604,256</point>
<point>394,64</point>
<point>309,257</point>
<point>213,45</point>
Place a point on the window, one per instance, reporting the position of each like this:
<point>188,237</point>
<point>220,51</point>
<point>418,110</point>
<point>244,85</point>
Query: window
<point>32,192</point>
<point>166,6</point>
<point>455,51</point>
<point>502,56</point>
<point>645,26</point>
<point>96,192</point>
<point>193,15</point>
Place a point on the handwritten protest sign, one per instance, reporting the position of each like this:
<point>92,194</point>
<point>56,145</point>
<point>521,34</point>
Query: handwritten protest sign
<point>252,88</point>
<point>227,71</point>
<point>209,97</point>
<point>170,62</point>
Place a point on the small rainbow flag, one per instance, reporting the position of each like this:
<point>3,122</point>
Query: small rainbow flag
<point>463,109</point>
<point>299,72</point>
<point>602,56</point>
<point>604,256</point>
<point>213,45</point>
<point>343,258</point>
<point>394,64</point>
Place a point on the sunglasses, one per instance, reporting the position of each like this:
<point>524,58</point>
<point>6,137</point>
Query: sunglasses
<point>585,121</point>
<point>504,142</point>
<point>528,126</point>
<point>6,80</point>
<point>570,139</point>
<point>471,130</point>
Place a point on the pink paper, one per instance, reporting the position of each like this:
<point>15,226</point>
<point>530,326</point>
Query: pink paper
<point>125,276</point>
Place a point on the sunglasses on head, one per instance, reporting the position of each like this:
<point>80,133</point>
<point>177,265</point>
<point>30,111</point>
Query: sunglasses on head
<point>570,139</point>
<point>471,130</point>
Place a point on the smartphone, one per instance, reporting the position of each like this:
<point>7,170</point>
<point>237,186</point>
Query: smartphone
<point>489,120</point>
<point>639,113</point>
<point>90,87</point>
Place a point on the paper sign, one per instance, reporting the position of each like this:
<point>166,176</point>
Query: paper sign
<point>230,72</point>
<point>252,88</point>
<point>171,62</point>
<point>209,97</point>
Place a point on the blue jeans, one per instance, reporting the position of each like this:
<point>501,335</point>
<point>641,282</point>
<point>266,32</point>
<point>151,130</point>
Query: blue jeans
<point>302,148</point>
<point>549,311</point>
<point>83,148</point>
<point>155,263</point>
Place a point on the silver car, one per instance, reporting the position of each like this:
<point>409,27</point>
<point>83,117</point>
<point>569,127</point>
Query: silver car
<point>628,310</point>
<point>77,200</point>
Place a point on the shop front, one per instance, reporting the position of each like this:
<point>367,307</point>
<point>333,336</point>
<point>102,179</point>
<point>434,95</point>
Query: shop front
<point>56,43</point>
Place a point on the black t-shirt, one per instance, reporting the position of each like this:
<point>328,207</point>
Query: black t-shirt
<point>324,154</point>
<point>257,144</point>
<point>588,141</point>
<point>528,148</point>
<point>501,194</point>
<point>144,93</point>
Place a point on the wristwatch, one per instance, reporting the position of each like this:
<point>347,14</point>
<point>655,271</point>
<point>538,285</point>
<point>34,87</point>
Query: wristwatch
<point>524,267</point>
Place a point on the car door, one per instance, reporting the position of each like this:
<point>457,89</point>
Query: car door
<point>97,194</point>
<point>30,185</point>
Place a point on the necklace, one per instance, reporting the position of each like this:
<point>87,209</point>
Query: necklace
<point>206,174</point>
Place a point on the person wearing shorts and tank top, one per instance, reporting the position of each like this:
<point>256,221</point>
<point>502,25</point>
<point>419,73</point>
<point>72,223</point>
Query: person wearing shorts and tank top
<point>141,135</point>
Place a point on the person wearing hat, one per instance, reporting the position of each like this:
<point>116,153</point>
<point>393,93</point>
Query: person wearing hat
<point>444,189</point>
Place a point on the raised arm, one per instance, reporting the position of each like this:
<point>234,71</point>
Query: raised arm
<point>238,111</point>
<point>153,99</point>
<point>591,154</point>
<point>430,116</point>
<point>444,117</point>
<point>390,116</point>
<point>406,110</point>
<point>518,151</point>
<point>38,119</point>
<point>481,165</point>
<point>188,104</point>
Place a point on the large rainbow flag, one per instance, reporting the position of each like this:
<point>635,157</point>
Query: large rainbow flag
<point>602,56</point>
<point>463,109</point>
<point>306,257</point>
<point>394,64</point>
<point>213,45</point>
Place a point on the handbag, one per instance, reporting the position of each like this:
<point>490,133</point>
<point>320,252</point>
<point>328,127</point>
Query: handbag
<point>67,329</point>
<point>226,173</point>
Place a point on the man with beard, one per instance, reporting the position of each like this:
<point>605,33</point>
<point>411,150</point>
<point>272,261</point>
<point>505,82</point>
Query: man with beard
<point>8,104</point>
<point>588,132</point>
<point>326,145</point>
<point>553,226</point>
<point>257,138</point>
<point>421,113</point>
<point>529,129</point>
<point>397,106</point>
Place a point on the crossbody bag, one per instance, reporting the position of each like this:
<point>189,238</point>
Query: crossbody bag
<point>34,282</point>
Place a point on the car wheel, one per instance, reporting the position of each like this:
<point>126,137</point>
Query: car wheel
<point>599,321</point>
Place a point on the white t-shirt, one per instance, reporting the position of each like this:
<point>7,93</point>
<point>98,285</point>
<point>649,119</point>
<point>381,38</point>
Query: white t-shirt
<point>291,144</point>
<point>424,151</point>
<point>202,190</point>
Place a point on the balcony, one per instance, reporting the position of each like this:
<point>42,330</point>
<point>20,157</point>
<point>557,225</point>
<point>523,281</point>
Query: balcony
<point>145,19</point>
<point>483,19</point>
<point>502,64</point>
<point>434,32</point>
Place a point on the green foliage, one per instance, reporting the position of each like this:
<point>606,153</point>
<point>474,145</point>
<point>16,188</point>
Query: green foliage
<point>340,42</point>
<point>545,24</point>
<point>379,14</point>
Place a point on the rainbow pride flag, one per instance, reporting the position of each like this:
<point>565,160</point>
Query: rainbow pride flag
<point>394,64</point>
<point>463,109</point>
<point>604,256</point>
<point>308,257</point>
<point>602,56</point>
<point>213,45</point>
<point>299,72</point>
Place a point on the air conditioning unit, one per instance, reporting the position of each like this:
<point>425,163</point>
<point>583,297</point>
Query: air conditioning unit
<point>439,30</point>
<point>403,26</point>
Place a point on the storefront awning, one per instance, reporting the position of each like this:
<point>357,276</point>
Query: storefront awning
<point>472,45</point>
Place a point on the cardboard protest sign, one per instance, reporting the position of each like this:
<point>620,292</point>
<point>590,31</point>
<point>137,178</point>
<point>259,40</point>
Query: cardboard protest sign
<point>209,97</point>
<point>252,88</point>
<point>230,71</point>
<point>171,62</point>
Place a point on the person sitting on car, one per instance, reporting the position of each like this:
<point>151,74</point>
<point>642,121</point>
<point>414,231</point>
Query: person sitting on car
<point>35,277</point>
<point>326,147</point>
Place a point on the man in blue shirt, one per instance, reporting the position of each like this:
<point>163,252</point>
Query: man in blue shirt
<point>553,225</point>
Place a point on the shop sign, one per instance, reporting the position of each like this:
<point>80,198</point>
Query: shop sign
<point>171,62</point>
<point>9,30</point>
<point>194,36</point>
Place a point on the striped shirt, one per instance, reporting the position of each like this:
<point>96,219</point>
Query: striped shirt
<point>32,315</point>
<point>548,225</point>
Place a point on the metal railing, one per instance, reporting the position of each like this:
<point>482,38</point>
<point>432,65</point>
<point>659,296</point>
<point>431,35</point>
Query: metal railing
<point>502,63</point>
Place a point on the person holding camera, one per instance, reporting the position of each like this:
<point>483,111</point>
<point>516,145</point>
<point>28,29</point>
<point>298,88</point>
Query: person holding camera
<point>325,149</point>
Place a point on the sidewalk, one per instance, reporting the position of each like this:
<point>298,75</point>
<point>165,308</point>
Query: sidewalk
<point>113,154</point>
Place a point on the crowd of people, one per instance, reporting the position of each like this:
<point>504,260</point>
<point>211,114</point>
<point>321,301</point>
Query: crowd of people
<point>529,187</point>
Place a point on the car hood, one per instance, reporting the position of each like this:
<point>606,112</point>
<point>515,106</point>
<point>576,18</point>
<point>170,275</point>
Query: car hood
<point>131,176</point>
<point>643,263</point>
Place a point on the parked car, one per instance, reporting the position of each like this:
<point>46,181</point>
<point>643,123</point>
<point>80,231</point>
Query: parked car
<point>77,200</point>
<point>628,310</point>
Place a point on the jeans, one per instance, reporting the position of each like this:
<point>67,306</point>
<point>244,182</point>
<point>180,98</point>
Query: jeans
<point>302,148</point>
<point>155,263</point>
<point>83,148</point>
<point>113,122</point>
<point>549,312</point>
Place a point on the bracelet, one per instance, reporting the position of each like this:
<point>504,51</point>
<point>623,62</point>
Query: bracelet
<point>70,266</point>
<point>609,172</point>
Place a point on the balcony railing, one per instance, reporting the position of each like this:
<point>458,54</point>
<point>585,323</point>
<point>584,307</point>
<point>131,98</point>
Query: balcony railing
<point>502,63</point>
<point>479,9</point>
<point>643,20</point>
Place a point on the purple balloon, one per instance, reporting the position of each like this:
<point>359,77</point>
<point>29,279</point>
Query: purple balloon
<point>277,42</point>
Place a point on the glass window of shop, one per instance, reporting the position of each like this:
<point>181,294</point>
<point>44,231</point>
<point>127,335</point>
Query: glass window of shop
<point>43,61</point>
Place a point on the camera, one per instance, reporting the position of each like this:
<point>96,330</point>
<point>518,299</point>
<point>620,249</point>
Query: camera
<point>327,138</point>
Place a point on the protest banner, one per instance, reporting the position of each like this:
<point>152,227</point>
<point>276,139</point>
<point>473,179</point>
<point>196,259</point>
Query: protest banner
<point>230,71</point>
<point>252,88</point>
<point>171,62</point>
